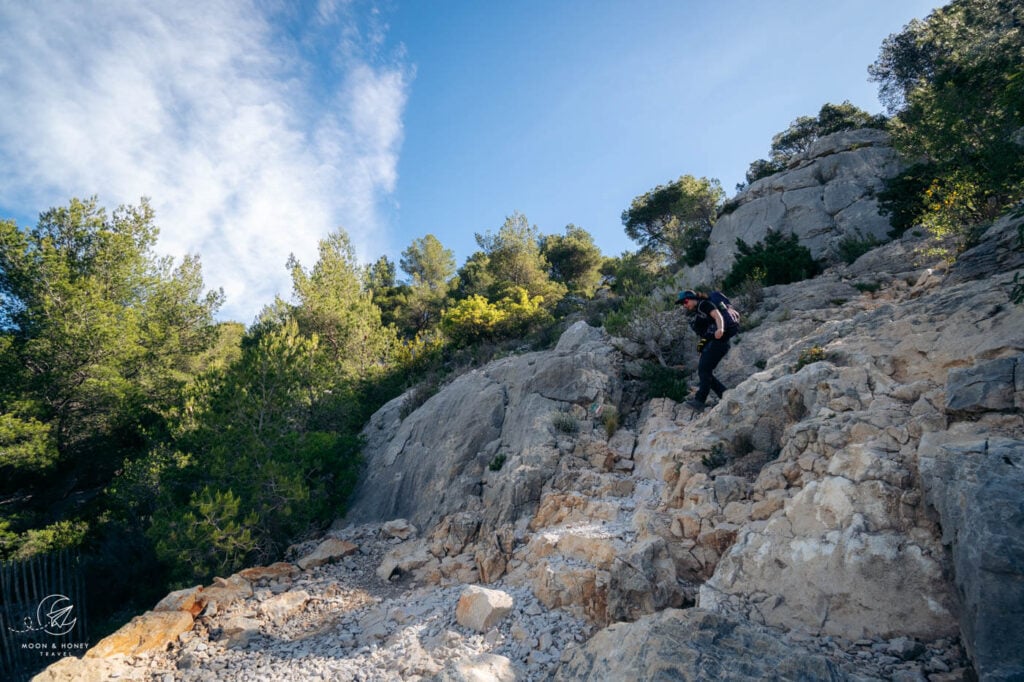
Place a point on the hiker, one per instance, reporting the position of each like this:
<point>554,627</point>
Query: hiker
<point>715,328</point>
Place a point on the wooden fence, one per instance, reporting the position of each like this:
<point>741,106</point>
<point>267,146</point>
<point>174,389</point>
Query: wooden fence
<point>42,613</point>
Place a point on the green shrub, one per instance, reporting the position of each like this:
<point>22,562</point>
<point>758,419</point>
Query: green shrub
<point>617,321</point>
<point>268,459</point>
<point>523,314</point>
<point>695,247</point>
<point>633,274</point>
<point>852,248</point>
<point>1017,292</point>
<point>475,319</point>
<point>471,320</point>
<point>610,420</point>
<point>665,382</point>
<point>57,536</point>
<point>715,458</point>
<point>497,462</point>
<point>778,259</point>
<point>419,395</point>
<point>565,423</point>
<point>732,204</point>
<point>27,446</point>
<point>751,290</point>
<point>867,287</point>
<point>808,356</point>
<point>212,536</point>
<point>762,168</point>
<point>954,213</point>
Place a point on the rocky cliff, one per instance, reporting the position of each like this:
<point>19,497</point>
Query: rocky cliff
<point>825,196</point>
<point>872,494</point>
<point>852,509</point>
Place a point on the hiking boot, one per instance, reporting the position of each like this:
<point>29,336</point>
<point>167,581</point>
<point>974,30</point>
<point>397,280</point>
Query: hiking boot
<point>695,404</point>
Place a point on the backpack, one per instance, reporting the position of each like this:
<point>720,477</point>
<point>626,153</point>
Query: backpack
<point>729,313</point>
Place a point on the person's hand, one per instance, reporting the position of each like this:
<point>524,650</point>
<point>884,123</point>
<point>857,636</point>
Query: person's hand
<point>718,333</point>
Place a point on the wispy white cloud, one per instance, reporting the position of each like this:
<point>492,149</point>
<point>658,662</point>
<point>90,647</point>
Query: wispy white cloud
<point>254,134</point>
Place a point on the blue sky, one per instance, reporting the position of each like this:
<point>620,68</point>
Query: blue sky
<point>257,126</point>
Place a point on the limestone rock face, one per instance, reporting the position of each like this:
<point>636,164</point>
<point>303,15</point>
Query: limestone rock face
<point>850,547</point>
<point>694,645</point>
<point>826,195</point>
<point>423,458</point>
<point>444,457</point>
<point>642,581</point>
<point>975,484</point>
<point>986,387</point>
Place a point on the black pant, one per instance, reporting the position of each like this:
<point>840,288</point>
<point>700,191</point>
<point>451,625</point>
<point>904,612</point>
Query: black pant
<point>713,352</point>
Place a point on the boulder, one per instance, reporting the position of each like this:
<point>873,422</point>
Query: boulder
<point>281,570</point>
<point>399,528</point>
<point>988,386</point>
<point>237,631</point>
<point>224,592</point>
<point>405,558</point>
<point>481,609</point>
<point>581,588</point>
<point>975,484</point>
<point>834,564</point>
<point>330,549</point>
<point>281,607</point>
<point>190,599</point>
<point>151,631</point>
<point>999,252</point>
<point>482,668</point>
<point>642,581</point>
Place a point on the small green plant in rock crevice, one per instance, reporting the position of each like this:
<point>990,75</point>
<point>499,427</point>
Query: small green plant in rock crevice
<point>808,356</point>
<point>497,462</point>
<point>610,420</point>
<point>715,458</point>
<point>565,423</point>
<point>852,248</point>
<point>419,395</point>
<point>1017,292</point>
<point>867,287</point>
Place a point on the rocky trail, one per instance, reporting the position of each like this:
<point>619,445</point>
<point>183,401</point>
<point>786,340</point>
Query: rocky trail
<point>339,620</point>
